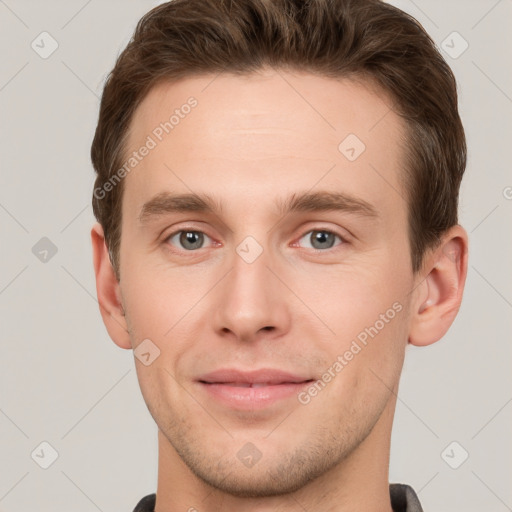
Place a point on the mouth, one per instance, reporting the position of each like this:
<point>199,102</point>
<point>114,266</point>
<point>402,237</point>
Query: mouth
<point>252,390</point>
<point>252,384</point>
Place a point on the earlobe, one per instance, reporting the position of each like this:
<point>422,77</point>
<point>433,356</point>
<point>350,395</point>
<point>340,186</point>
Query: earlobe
<point>440,293</point>
<point>108,290</point>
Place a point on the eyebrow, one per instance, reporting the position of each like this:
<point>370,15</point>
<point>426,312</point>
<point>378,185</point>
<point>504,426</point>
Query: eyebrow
<point>165,203</point>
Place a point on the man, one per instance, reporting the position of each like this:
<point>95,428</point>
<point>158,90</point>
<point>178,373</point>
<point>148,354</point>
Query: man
<point>277,200</point>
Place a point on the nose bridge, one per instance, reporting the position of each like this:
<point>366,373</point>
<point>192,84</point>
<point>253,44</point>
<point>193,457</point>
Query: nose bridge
<point>251,299</point>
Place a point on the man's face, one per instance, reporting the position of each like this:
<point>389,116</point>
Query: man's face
<point>251,304</point>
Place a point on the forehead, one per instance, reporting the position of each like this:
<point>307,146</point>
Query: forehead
<point>264,133</point>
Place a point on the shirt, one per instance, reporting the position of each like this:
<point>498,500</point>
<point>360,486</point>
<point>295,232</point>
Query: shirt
<point>403,499</point>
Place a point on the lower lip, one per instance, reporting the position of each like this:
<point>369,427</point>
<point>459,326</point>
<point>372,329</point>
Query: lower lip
<point>253,398</point>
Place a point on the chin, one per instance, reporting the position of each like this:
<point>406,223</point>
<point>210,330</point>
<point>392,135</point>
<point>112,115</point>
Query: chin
<point>256,483</point>
<point>277,475</point>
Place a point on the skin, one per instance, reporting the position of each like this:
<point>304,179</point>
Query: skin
<point>250,142</point>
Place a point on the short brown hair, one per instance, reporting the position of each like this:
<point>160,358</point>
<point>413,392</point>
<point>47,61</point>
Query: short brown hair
<point>332,38</point>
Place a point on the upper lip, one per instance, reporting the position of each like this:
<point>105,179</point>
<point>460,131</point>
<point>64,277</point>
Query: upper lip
<point>263,376</point>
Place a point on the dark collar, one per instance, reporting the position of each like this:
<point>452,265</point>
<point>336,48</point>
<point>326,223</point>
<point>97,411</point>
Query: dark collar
<point>403,499</point>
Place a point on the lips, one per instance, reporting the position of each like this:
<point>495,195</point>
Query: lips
<point>258,389</point>
<point>255,378</point>
<point>247,384</point>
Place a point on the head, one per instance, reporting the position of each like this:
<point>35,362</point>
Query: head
<point>294,209</point>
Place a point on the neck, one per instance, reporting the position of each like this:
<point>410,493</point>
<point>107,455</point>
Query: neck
<point>359,482</point>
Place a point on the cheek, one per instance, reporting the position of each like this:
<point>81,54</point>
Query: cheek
<point>171,309</point>
<point>368,317</point>
<point>159,298</point>
<point>350,300</point>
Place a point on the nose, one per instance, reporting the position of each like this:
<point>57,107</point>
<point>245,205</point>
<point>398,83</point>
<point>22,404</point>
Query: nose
<point>252,302</point>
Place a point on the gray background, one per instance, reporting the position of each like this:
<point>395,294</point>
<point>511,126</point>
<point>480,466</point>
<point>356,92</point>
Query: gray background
<point>64,382</point>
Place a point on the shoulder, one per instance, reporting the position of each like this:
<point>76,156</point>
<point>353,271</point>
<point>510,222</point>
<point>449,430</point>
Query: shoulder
<point>404,499</point>
<point>146,504</point>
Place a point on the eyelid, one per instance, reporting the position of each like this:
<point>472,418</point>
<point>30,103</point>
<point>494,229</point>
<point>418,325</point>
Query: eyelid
<point>343,238</point>
<point>181,229</point>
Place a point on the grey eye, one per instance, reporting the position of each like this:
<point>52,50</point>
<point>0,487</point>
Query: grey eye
<point>188,240</point>
<point>320,239</point>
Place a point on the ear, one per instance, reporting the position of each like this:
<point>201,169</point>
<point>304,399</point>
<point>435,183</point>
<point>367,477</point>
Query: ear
<point>440,293</point>
<point>108,290</point>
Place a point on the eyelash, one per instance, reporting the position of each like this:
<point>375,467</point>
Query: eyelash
<point>194,230</point>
